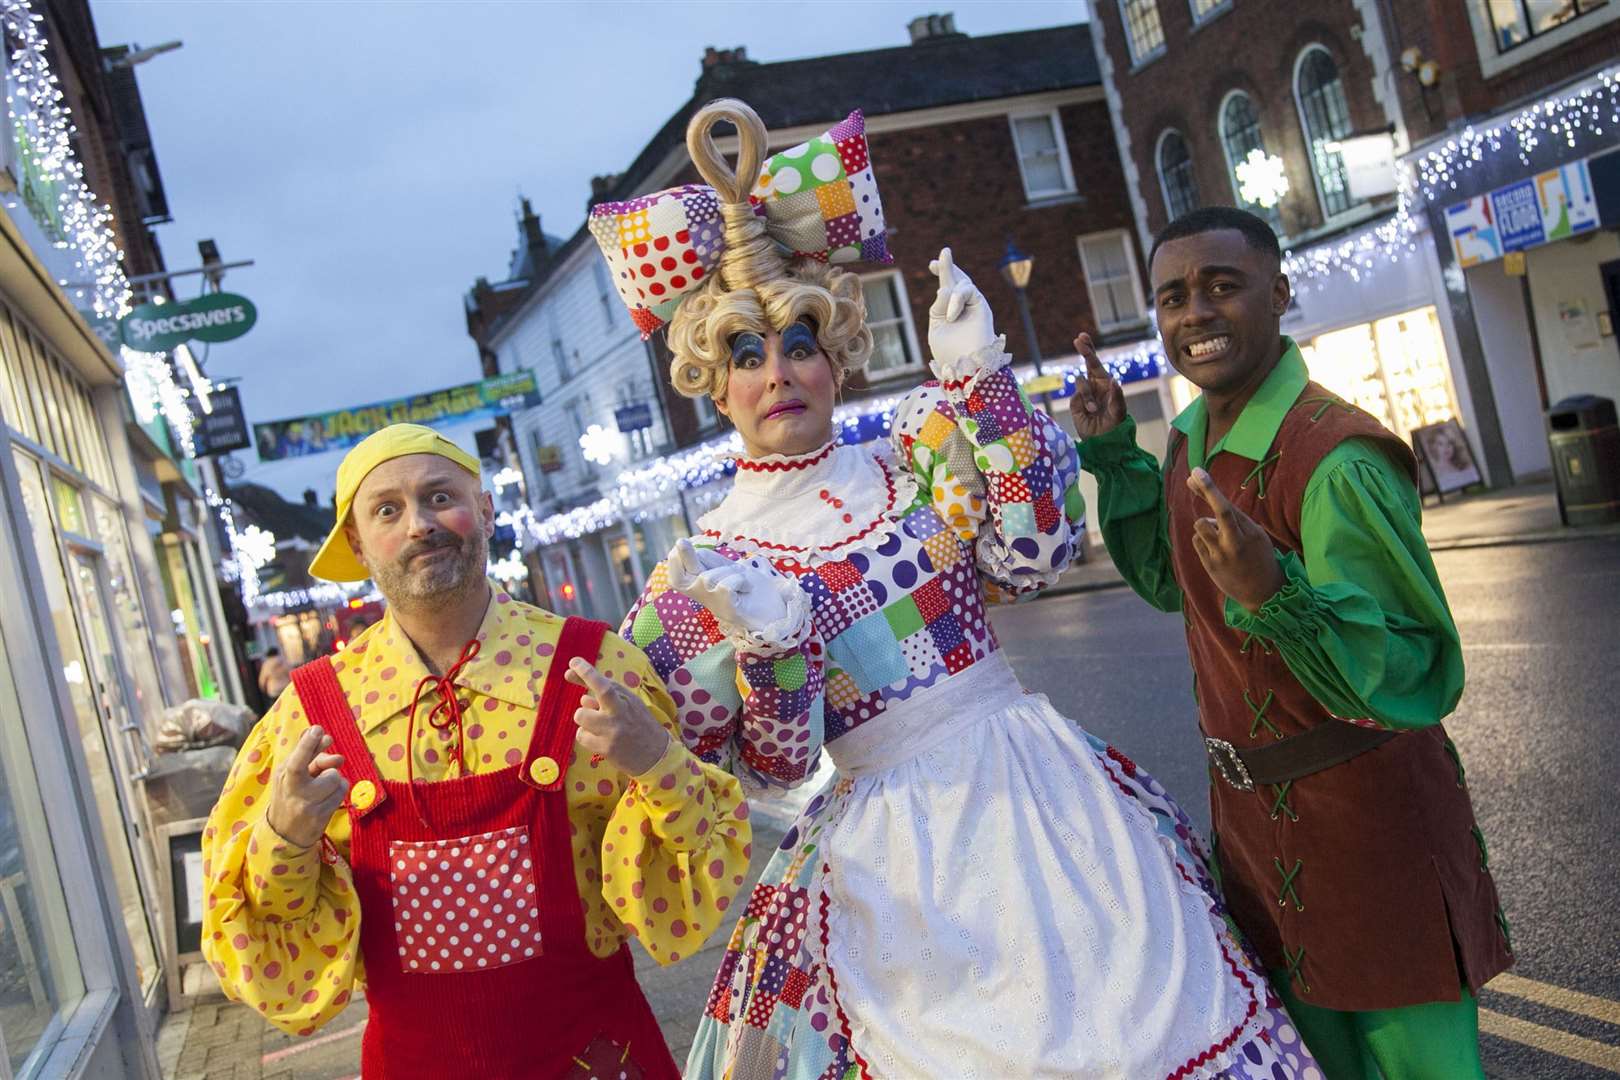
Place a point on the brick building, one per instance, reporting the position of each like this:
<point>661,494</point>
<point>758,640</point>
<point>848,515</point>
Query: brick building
<point>1342,97</point>
<point>977,142</point>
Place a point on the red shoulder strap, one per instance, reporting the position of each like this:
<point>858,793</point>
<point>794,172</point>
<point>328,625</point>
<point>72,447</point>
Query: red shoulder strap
<point>324,704</point>
<point>554,727</point>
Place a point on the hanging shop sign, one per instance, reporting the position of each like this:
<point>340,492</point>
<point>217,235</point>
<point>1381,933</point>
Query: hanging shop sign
<point>303,435</point>
<point>224,428</point>
<point>153,328</point>
<point>633,417</point>
<point>1549,206</point>
<point>549,458</point>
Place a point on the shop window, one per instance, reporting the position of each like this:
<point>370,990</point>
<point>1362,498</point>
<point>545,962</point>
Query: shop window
<point>1043,158</point>
<point>1143,31</point>
<point>1514,22</point>
<point>39,970</point>
<point>48,404</point>
<point>1176,175</point>
<point>1395,368</point>
<point>1325,115</point>
<point>888,316</point>
<point>1240,133</point>
<point>92,675</point>
<point>1111,279</point>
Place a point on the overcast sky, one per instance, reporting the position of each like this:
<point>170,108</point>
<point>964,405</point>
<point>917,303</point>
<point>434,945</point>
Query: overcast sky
<point>369,156</point>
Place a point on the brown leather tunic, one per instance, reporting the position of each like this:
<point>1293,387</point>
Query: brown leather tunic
<point>1365,881</point>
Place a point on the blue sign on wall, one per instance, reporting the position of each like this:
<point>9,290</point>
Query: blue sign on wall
<point>1518,216</point>
<point>633,417</point>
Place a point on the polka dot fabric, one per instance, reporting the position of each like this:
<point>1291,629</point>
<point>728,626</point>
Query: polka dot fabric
<point>464,904</point>
<point>657,857</point>
<point>819,200</point>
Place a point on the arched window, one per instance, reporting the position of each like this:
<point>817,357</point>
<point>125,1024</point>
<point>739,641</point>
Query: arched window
<point>1176,174</point>
<point>1240,133</point>
<point>1326,117</point>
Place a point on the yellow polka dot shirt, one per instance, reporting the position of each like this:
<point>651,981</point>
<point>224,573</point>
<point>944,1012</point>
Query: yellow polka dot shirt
<point>657,856</point>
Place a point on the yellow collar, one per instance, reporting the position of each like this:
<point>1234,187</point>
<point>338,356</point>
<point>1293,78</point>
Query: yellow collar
<point>514,642</point>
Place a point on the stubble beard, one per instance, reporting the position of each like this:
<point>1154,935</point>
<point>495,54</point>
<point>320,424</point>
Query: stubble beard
<point>433,584</point>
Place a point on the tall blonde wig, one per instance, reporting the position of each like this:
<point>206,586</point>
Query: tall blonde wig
<point>758,288</point>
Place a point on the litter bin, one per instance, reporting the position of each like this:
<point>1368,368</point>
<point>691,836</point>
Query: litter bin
<point>1585,444</point>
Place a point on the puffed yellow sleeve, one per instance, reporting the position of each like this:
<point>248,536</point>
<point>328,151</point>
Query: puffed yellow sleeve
<point>281,924</point>
<point>676,849</point>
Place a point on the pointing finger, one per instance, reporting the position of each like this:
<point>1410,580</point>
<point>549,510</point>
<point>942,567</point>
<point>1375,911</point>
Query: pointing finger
<point>945,268</point>
<point>1204,484</point>
<point>581,673</point>
<point>310,743</point>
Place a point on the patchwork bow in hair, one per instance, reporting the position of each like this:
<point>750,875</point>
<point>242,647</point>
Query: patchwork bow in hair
<point>819,200</point>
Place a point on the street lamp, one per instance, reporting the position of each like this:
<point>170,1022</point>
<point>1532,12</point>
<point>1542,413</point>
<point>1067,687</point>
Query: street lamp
<point>1016,268</point>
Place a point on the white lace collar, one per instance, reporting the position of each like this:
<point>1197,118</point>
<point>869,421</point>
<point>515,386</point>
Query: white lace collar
<point>811,507</point>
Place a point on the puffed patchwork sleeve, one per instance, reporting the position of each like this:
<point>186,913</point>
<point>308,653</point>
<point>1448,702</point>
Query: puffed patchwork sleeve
<point>1000,472</point>
<point>678,844</point>
<point>754,709</point>
<point>281,924</point>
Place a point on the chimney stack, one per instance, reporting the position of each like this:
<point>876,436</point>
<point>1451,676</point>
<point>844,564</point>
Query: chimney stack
<point>310,498</point>
<point>713,57</point>
<point>925,28</point>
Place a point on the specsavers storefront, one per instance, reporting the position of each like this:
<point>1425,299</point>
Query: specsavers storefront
<point>81,683</point>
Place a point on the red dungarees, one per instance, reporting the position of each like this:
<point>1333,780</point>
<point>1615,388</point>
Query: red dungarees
<point>471,925</point>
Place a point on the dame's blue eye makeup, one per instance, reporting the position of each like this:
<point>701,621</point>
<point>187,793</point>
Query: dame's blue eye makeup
<point>799,338</point>
<point>747,347</point>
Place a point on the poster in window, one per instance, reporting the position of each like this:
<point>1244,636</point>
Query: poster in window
<point>1445,462</point>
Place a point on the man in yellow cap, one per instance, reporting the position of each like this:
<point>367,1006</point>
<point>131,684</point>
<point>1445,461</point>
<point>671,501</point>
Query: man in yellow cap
<point>412,816</point>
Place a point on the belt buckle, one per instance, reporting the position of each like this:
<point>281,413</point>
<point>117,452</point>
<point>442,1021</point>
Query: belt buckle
<point>1226,759</point>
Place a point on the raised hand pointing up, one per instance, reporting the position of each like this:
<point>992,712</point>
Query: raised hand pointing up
<point>959,320</point>
<point>1098,405</point>
<point>1236,552</point>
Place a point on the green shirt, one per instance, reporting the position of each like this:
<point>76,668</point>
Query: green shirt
<point>1362,621</point>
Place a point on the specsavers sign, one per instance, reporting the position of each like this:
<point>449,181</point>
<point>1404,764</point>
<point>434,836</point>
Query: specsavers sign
<point>216,317</point>
<point>338,430</point>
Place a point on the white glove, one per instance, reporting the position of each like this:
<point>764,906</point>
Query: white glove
<point>961,331</point>
<point>757,607</point>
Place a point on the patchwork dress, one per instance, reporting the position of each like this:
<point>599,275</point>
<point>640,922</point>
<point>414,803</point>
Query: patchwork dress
<point>982,889</point>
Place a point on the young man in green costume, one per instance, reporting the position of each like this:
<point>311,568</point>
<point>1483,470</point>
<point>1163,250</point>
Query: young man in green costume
<point>1285,526</point>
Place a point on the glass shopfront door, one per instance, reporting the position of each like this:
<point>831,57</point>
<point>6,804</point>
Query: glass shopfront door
<point>100,692</point>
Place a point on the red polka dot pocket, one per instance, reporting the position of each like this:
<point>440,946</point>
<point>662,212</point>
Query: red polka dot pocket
<point>466,904</point>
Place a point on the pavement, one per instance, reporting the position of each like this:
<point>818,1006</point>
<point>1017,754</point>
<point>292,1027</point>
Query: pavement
<point>1538,631</point>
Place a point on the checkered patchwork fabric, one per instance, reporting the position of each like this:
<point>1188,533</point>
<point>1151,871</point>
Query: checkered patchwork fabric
<point>819,200</point>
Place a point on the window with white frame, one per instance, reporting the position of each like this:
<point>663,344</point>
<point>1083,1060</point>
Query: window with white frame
<point>1240,133</point>
<point>1143,31</point>
<point>1325,115</point>
<point>1514,22</point>
<point>1203,9</point>
<point>1176,174</point>
<point>1043,159</point>
<point>888,316</point>
<point>1110,269</point>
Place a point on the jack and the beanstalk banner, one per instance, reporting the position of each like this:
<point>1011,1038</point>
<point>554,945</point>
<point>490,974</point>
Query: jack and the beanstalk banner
<point>303,435</point>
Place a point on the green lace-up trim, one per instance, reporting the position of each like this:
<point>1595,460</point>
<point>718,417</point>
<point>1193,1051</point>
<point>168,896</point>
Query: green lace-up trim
<point>1324,404</point>
<point>1296,960</point>
<point>1287,891</point>
<point>1502,925</point>
<point>1456,759</point>
<point>1279,805</point>
<point>1249,639</point>
<point>1484,852</point>
<point>1258,474</point>
<point>1259,712</point>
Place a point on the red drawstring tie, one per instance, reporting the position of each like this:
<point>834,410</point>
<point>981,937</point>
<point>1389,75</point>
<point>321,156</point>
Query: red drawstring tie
<point>450,709</point>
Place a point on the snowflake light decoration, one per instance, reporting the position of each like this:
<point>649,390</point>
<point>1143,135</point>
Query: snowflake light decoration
<point>257,546</point>
<point>600,445</point>
<point>1262,179</point>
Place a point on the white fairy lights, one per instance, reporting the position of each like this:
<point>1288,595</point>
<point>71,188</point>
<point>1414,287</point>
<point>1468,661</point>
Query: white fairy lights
<point>1569,117</point>
<point>77,222</point>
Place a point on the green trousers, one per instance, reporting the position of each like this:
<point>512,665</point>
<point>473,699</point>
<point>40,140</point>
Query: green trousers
<point>1436,1041</point>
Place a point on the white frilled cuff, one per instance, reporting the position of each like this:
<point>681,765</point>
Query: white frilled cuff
<point>961,375</point>
<point>783,634</point>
